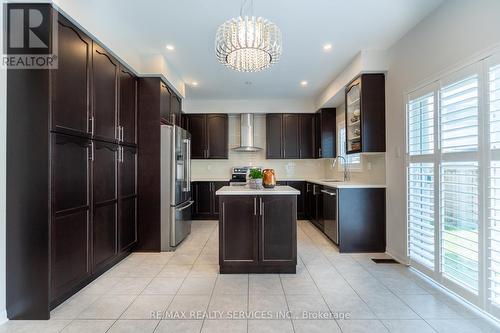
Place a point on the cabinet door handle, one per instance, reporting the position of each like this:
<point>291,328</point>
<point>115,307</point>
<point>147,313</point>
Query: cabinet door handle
<point>261,207</point>
<point>91,120</point>
<point>91,158</point>
<point>328,192</point>
<point>255,206</point>
<point>122,133</point>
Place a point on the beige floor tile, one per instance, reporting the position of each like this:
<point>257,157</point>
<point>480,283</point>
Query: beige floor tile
<point>38,326</point>
<point>362,326</point>
<point>134,326</point>
<point>305,306</point>
<point>224,326</point>
<point>175,271</point>
<point>148,307</point>
<point>187,304</point>
<point>129,286</point>
<point>270,326</point>
<point>266,284</point>
<point>86,326</point>
<point>107,307</point>
<point>408,326</point>
<point>197,286</point>
<point>163,286</point>
<point>316,326</point>
<point>232,284</point>
<point>179,326</point>
<point>274,306</point>
<point>227,306</point>
<point>71,308</point>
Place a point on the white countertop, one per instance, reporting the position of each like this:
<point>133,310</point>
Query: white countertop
<point>245,190</point>
<point>345,184</point>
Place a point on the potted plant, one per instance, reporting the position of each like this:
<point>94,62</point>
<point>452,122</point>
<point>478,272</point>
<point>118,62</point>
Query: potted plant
<point>255,179</point>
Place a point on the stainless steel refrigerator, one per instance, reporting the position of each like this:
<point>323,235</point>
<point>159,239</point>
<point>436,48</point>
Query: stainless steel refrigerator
<point>176,199</point>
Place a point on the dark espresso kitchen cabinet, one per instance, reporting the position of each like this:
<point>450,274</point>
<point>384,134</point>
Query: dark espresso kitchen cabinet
<point>274,137</point>
<point>71,81</point>
<point>127,197</point>
<point>104,94</point>
<point>209,135</point>
<point>278,237</point>
<point>238,231</point>
<point>165,104</point>
<point>365,114</point>
<point>70,251</point>
<point>206,203</point>
<point>307,134</point>
<point>314,205</point>
<point>65,216</point>
<point>176,109</point>
<point>290,136</point>
<point>128,107</point>
<point>105,202</point>
<point>258,234</point>
<point>326,133</point>
<point>301,198</point>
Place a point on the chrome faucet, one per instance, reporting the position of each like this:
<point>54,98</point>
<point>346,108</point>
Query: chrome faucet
<point>347,174</point>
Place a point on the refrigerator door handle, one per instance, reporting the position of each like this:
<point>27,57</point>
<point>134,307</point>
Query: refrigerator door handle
<point>184,206</point>
<point>187,165</point>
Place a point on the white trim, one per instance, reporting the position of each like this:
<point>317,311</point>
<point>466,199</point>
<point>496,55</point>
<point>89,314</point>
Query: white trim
<point>3,317</point>
<point>402,260</point>
<point>479,56</point>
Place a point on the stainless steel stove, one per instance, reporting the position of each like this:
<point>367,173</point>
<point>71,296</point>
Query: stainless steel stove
<point>239,175</point>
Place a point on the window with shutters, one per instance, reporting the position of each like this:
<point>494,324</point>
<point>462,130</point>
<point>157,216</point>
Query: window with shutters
<point>453,182</point>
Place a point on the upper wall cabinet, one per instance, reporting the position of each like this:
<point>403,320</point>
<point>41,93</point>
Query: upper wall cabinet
<point>176,109</point>
<point>365,114</point>
<point>128,107</point>
<point>105,84</point>
<point>209,135</point>
<point>165,105</point>
<point>71,81</point>
<point>326,125</point>
<point>290,136</point>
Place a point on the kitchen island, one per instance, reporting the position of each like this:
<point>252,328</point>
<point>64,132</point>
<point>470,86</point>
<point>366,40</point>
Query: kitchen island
<point>257,229</point>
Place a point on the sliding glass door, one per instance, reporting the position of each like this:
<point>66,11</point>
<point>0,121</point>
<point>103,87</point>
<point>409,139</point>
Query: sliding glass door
<point>453,182</point>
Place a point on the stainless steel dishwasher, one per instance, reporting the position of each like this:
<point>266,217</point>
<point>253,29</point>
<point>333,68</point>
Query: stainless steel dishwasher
<point>330,216</point>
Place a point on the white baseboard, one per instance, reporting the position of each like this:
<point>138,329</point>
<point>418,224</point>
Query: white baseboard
<point>3,317</point>
<point>402,260</point>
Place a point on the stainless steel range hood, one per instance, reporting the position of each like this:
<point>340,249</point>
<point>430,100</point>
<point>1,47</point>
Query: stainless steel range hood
<point>246,134</point>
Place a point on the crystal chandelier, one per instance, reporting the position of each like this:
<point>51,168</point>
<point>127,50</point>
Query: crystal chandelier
<point>248,43</point>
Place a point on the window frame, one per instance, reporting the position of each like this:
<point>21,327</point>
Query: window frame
<point>342,147</point>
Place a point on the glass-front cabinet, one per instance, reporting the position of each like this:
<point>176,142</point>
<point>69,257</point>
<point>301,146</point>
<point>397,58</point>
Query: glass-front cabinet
<point>365,114</point>
<point>353,117</point>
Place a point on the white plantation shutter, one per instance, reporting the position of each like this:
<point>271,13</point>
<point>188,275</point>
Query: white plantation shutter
<point>421,125</point>
<point>421,213</point>
<point>460,223</point>
<point>494,184</point>
<point>459,115</point>
<point>494,231</point>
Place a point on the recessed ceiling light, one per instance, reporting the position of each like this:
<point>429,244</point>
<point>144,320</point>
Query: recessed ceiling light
<point>303,83</point>
<point>194,83</point>
<point>170,47</point>
<point>327,47</point>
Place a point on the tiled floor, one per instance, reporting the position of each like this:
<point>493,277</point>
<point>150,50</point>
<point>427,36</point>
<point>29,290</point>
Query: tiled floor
<point>170,292</point>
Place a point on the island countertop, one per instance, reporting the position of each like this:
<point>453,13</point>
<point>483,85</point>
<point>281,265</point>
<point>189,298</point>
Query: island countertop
<point>246,190</point>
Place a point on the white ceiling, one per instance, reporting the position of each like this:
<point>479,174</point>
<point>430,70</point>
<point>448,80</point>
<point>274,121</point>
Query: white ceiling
<point>190,25</point>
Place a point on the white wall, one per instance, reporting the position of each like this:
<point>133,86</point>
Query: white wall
<point>455,33</point>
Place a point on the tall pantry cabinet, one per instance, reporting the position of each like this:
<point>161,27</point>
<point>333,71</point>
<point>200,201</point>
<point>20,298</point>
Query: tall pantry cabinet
<point>71,173</point>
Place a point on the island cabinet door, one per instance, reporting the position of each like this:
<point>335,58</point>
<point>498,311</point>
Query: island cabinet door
<point>278,229</point>
<point>238,230</point>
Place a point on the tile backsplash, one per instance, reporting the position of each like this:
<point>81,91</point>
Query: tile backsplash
<point>285,169</point>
